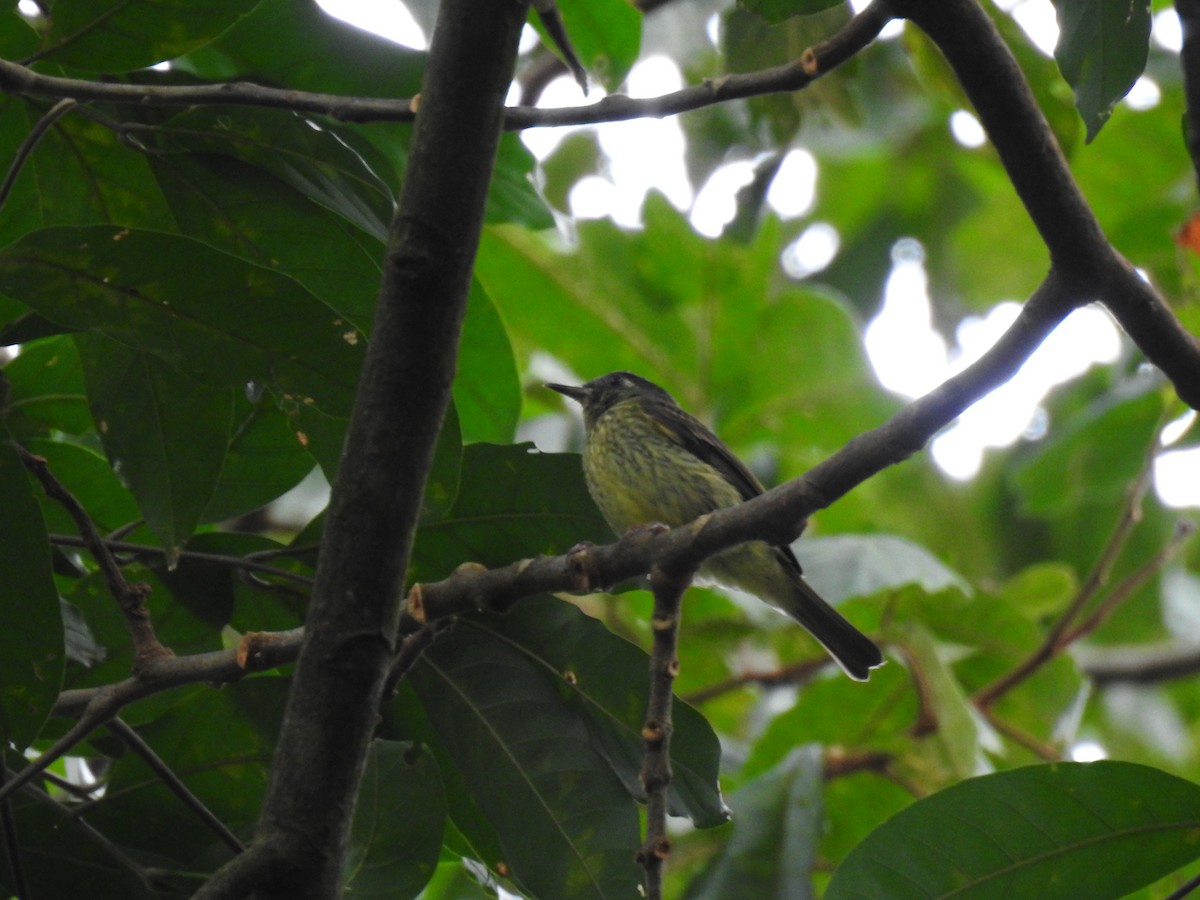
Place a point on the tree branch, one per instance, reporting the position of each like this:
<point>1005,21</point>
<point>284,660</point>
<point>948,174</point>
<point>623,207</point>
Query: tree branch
<point>1138,664</point>
<point>94,707</point>
<point>350,634</point>
<point>1091,269</point>
<point>814,62</point>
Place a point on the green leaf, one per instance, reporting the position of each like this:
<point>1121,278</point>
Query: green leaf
<point>31,647</point>
<point>263,461</point>
<point>1066,830</point>
<point>300,46</point>
<point>957,732</point>
<point>80,173</point>
<point>567,826</point>
<point>512,196</point>
<point>608,677</point>
<point>85,472</point>
<point>46,391</point>
<point>840,712</point>
<point>775,11</point>
<point>396,834</point>
<point>320,163</point>
<point>164,433</point>
<point>856,565</point>
<point>1101,51</point>
<point>511,504</point>
<point>217,591</point>
<point>1091,459</point>
<point>216,318</point>
<point>487,391</point>
<point>100,36</point>
<point>245,210</point>
<point>776,831</point>
<point>442,482</point>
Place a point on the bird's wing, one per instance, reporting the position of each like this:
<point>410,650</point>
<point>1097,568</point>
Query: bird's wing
<point>696,437</point>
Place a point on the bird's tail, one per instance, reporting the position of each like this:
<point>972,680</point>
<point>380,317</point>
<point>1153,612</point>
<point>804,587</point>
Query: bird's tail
<point>856,653</point>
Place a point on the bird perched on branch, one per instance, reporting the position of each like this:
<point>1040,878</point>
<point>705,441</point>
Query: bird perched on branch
<point>647,460</point>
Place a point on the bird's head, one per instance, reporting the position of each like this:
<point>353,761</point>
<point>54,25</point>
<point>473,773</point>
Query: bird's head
<point>601,394</point>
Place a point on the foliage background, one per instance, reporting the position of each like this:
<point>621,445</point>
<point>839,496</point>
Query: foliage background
<point>191,289</point>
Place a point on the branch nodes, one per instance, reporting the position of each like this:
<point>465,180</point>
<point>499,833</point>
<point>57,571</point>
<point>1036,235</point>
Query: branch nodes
<point>656,731</point>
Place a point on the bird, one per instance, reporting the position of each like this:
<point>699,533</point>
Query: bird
<point>646,460</point>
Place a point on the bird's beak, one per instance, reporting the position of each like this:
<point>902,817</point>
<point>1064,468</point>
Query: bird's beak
<point>578,394</point>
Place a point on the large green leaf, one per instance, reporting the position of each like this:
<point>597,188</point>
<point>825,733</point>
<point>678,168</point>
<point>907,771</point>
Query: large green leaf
<point>80,173</point>
<point>101,36</point>
<point>298,45</point>
<point>1065,830</point>
<point>397,830</point>
<point>1101,51</point>
<point>610,685</point>
<point>165,434</point>
<point>244,209</point>
<point>565,821</point>
<point>320,163</point>
<point>776,832</point>
<point>31,646</point>
<point>216,318</point>
<point>512,503</point>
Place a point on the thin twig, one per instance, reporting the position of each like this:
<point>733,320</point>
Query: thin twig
<point>796,673</point>
<point>1053,643</point>
<point>248,563</point>
<point>56,112</point>
<point>656,731</point>
<point>130,597</point>
<point>1129,585</point>
<point>1042,750</point>
<point>174,783</point>
<point>1184,889</point>
<point>411,648</point>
